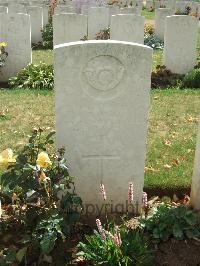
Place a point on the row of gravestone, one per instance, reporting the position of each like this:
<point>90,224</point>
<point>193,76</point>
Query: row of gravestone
<point>39,17</point>
<point>83,9</point>
<point>177,6</point>
<point>180,32</point>
<point>102,102</point>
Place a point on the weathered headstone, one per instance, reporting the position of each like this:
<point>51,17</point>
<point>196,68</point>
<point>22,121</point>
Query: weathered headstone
<point>63,9</point>
<point>128,28</point>
<point>16,8</point>
<point>102,102</point>
<point>69,28</point>
<point>130,10</point>
<point>195,188</point>
<point>36,15</point>
<point>98,19</point>
<point>180,43</point>
<point>45,11</point>
<point>161,14</point>
<point>15,29</point>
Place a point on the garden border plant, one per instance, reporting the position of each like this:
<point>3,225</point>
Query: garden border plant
<point>31,185</point>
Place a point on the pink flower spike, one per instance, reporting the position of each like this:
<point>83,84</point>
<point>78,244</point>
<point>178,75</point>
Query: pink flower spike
<point>100,229</point>
<point>144,200</point>
<point>118,237</point>
<point>103,192</point>
<point>130,191</point>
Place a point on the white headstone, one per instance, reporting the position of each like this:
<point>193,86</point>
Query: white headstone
<point>15,29</point>
<point>130,10</point>
<point>128,28</point>
<point>36,15</point>
<point>16,8</point>
<point>180,43</point>
<point>45,11</point>
<point>195,188</point>
<point>63,9</point>
<point>3,9</point>
<point>69,28</point>
<point>160,16</point>
<point>98,19</point>
<point>102,102</point>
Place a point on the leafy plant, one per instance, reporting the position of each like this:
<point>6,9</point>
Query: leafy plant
<point>153,41</point>
<point>186,11</point>
<point>192,79</point>
<point>103,34</point>
<point>3,53</point>
<point>33,183</point>
<point>119,246</point>
<point>148,29</point>
<point>47,36</point>
<point>165,221</point>
<point>163,77</point>
<point>34,77</point>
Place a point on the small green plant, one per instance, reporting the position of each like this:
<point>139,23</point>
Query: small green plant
<point>118,246</point>
<point>153,41</point>
<point>3,54</point>
<point>148,29</point>
<point>47,36</point>
<point>165,221</point>
<point>41,194</point>
<point>163,77</point>
<point>192,79</point>
<point>103,34</point>
<point>186,11</point>
<point>39,76</point>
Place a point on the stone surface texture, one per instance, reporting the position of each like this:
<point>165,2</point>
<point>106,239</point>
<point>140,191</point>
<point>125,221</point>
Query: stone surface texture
<point>129,28</point>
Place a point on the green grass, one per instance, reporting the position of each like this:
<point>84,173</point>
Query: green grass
<point>147,14</point>
<point>171,135</point>
<point>45,56</point>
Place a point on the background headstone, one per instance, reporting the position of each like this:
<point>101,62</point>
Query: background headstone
<point>69,28</point>
<point>128,28</point>
<point>180,43</point>
<point>36,16</point>
<point>98,19</point>
<point>160,16</point>
<point>15,29</point>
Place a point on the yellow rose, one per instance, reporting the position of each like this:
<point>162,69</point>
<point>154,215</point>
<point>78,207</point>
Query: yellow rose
<point>7,157</point>
<point>43,160</point>
<point>3,44</point>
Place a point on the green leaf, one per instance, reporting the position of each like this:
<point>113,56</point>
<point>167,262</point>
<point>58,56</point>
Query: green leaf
<point>21,253</point>
<point>48,241</point>
<point>177,231</point>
